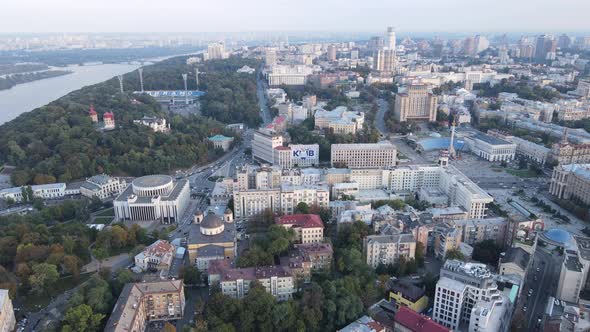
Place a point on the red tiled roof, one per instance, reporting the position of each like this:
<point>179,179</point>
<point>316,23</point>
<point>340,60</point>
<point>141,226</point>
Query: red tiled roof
<point>92,111</point>
<point>301,220</point>
<point>108,115</point>
<point>376,326</point>
<point>417,322</point>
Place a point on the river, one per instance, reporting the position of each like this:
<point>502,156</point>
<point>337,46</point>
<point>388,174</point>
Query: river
<point>28,96</point>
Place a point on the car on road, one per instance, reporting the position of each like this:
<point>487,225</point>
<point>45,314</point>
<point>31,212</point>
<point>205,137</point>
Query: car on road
<point>524,308</point>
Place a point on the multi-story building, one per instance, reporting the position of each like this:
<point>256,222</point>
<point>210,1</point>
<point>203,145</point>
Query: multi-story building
<point>288,74</point>
<point>319,254</point>
<point>102,186</point>
<point>381,154</point>
<point>250,202</point>
<point>571,278</point>
<point>384,60</point>
<point>108,119</point>
<point>145,302</point>
<point>308,227</point>
<point>491,148</point>
<point>416,103</point>
<point>477,230</point>
<point>571,182</point>
<point>524,148</point>
<point>236,282</point>
<point>583,89</point>
<point>408,320</point>
<point>572,110</point>
<point>567,153</point>
<point>312,195</point>
<point>408,295</point>
<point>470,297</point>
<point>7,319</point>
<point>340,120</point>
<point>446,238</point>
<point>156,257</point>
<point>263,144</point>
<point>153,197</point>
<point>387,249</point>
<point>42,191</point>
<point>297,155</point>
<point>216,51</point>
<point>516,261</point>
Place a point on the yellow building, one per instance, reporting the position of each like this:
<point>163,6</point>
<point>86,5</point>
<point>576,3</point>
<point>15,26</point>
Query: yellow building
<point>211,238</point>
<point>408,295</point>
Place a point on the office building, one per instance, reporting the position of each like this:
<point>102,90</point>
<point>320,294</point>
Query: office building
<point>405,294</point>
<point>156,257</point>
<point>7,319</point>
<point>571,182</point>
<point>384,60</point>
<point>470,297</point>
<point>288,75</point>
<point>236,282</point>
<point>42,191</point>
<point>387,249</point>
<point>571,278</point>
<point>312,195</point>
<point>297,155</point>
<point>308,227</point>
<point>408,320</point>
<point>263,143</point>
<point>153,197</point>
<point>381,154</point>
<point>391,41</point>
<point>251,202</point>
<point>145,302</point>
<point>415,103</point>
<point>102,186</point>
<point>331,52</point>
<point>491,148</point>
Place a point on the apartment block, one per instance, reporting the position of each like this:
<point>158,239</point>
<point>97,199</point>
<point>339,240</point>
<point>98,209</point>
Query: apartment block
<point>387,249</point>
<point>382,154</point>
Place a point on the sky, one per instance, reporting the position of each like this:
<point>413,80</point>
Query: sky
<point>133,16</point>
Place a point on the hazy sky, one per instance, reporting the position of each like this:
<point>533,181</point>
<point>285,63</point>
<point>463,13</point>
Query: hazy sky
<point>292,15</point>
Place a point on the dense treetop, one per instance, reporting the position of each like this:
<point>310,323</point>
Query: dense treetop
<point>58,142</point>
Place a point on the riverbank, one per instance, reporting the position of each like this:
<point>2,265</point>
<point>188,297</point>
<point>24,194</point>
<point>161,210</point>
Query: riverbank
<point>15,79</point>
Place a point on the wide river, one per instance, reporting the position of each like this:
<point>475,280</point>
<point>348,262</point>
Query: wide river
<point>26,97</point>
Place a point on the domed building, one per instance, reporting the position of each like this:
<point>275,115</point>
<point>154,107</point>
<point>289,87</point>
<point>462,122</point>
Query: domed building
<point>153,197</point>
<point>558,238</point>
<point>211,237</point>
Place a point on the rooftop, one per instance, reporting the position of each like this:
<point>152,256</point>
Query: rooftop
<point>417,322</point>
<point>407,290</point>
<point>491,139</point>
<point>301,220</point>
<point>518,256</point>
<point>152,181</point>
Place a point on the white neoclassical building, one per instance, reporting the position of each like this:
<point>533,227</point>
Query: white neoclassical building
<point>153,197</point>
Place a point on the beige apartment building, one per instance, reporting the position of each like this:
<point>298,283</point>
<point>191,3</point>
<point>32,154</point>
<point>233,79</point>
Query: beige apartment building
<point>571,181</point>
<point>141,303</point>
<point>380,154</point>
<point>416,103</point>
<point>566,153</point>
<point>309,227</point>
<point>312,195</point>
<point>387,249</point>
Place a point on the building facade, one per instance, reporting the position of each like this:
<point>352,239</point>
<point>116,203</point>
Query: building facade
<point>146,302</point>
<point>364,155</point>
<point>308,227</point>
<point>416,103</point>
<point>102,186</point>
<point>210,238</point>
<point>263,144</point>
<point>491,148</point>
<point>387,249</point>
<point>153,197</point>
<point>571,181</point>
<point>7,319</point>
<point>156,257</point>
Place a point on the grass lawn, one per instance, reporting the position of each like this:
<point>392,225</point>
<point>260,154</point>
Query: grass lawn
<point>35,303</point>
<point>106,213</point>
<point>103,220</point>
<point>523,173</point>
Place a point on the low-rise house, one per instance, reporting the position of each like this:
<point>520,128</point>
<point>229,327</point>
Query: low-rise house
<point>221,142</point>
<point>408,295</point>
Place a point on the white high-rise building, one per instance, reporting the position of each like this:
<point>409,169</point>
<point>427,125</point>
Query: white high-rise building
<point>469,297</point>
<point>263,144</point>
<point>391,43</point>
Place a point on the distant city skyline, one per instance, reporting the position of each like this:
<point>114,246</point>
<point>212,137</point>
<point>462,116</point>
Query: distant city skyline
<point>36,16</point>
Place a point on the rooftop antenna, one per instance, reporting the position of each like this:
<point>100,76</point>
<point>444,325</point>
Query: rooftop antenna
<point>141,78</point>
<point>184,77</point>
<point>120,77</point>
